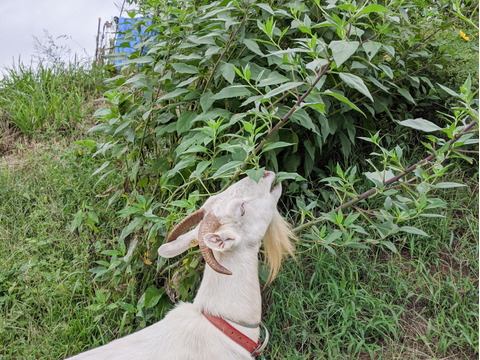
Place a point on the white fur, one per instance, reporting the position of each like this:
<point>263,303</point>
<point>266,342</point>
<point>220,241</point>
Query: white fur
<point>245,211</point>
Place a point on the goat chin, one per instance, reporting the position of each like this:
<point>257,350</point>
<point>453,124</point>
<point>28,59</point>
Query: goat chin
<point>182,335</point>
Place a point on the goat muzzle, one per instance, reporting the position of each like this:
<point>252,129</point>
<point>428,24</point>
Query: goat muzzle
<point>208,224</point>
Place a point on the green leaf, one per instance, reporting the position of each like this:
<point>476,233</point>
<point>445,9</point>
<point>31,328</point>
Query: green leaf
<point>133,226</point>
<point>332,178</point>
<point>346,7</point>
<point>252,46</point>
<point>227,168</point>
<point>387,70</point>
<point>173,94</point>
<point>447,185</point>
<point>227,71</point>
<point>377,178</point>
<point>356,83</point>
<point>206,101</point>
<point>449,91</point>
<point>302,118</point>
<point>185,121</point>
<point>344,100</point>
<point>335,235</point>
<point>182,164</point>
<point>371,48</point>
<point>231,92</point>
<point>356,245</point>
<point>265,7</point>
<point>77,221</point>
<point>93,216</point>
<point>413,230</point>
<point>276,145</point>
<point>342,50</point>
<point>122,126</point>
<point>372,8</point>
<point>281,89</point>
<point>288,51</point>
<point>111,253</point>
<point>388,203</point>
<point>200,169</point>
<point>195,149</point>
<point>101,168</point>
<point>330,250</point>
<point>187,82</point>
<point>185,68</point>
<point>102,112</point>
<point>212,50</point>
<point>273,78</point>
<point>140,60</point>
<point>127,307</point>
<point>389,245</point>
<point>406,94</point>
<point>255,174</point>
<point>153,296</point>
<point>420,124</point>
<point>281,175</point>
<point>87,143</point>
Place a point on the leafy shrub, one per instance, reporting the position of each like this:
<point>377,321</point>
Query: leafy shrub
<point>221,88</point>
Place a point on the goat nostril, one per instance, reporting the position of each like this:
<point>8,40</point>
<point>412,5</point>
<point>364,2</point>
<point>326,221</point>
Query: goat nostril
<point>266,174</point>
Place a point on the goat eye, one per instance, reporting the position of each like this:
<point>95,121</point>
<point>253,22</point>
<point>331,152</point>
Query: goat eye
<point>242,209</point>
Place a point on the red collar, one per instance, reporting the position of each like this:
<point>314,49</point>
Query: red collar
<point>254,348</point>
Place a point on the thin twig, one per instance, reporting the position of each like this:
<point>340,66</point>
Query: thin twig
<point>467,151</point>
<point>227,46</point>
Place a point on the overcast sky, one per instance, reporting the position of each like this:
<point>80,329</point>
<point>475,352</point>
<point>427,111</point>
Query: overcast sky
<point>77,19</point>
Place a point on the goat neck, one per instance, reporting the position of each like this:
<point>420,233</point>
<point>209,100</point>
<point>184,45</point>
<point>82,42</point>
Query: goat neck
<point>233,297</point>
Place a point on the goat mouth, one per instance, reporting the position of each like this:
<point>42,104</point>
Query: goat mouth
<point>275,186</point>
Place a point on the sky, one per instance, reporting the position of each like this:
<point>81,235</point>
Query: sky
<point>77,20</point>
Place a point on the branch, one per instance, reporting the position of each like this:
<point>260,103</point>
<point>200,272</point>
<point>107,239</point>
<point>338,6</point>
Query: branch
<point>227,46</point>
<point>281,122</point>
<point>385,183</point>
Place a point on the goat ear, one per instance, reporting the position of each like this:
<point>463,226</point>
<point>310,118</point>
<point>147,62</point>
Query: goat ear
<point>180,245</point>
<point>220,241</point>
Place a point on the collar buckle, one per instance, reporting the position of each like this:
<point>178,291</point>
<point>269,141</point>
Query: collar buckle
<point>261,347</point>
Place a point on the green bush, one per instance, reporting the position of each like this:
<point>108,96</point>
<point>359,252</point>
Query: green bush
<point>219,89</point>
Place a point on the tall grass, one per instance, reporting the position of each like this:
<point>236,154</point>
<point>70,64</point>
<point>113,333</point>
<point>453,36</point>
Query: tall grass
<point>47,99</point>
<point>46,293</point>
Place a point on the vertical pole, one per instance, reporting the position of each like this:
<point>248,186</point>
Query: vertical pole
<point>98,36</point>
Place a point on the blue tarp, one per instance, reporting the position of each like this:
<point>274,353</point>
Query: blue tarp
<point>128,27</point>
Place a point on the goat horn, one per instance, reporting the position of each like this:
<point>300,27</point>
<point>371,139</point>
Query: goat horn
<point>209,224</point>
<point>191,220</point>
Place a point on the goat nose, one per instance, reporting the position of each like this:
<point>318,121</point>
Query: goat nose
<point>267,174</point>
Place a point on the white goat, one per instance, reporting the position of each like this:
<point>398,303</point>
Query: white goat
<point>231,227</point>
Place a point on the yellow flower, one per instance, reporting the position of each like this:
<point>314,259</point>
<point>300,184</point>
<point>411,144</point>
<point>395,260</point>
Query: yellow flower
<point>464,36</point>
<point>146,259</point>
<point>453,27</point>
